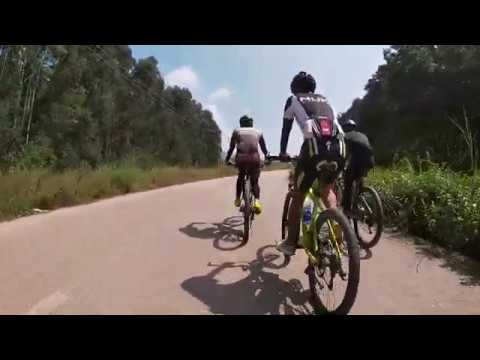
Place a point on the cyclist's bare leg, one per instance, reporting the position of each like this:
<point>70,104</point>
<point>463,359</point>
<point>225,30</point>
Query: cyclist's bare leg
<point>254,176</point>
<point>302,182</point>
<point>240,179</point>
<point>240,182</point>
<point>303,179</point>
<point>294,217</point>
<point>328,196</point>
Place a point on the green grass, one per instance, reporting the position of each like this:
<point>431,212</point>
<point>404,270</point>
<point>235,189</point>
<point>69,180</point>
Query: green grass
<point>23,191</point>
<point>436,204</point>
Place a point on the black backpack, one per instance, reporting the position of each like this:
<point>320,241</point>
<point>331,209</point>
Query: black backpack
<point>318,109</point>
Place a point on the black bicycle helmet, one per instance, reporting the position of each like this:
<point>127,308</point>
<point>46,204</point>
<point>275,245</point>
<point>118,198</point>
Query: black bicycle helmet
<point>303,83</point>
<point>349,125</point>
<point>246,121</point>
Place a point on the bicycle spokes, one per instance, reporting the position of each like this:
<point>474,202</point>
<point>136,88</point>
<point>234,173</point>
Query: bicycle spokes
<point>332,248</point>
<point>330,274</point>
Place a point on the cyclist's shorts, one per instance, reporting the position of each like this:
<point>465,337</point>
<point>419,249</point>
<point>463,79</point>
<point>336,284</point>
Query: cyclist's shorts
<point>314,155</point>
<point>251,168</point>
<point>248,159</point>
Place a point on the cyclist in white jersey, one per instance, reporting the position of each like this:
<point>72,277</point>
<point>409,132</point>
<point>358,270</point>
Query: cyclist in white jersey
<point>323,142</point>
<point>247,139</point>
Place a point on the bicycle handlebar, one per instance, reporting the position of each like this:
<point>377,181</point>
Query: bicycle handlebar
<point>270,159</point>
<point>277,158</point>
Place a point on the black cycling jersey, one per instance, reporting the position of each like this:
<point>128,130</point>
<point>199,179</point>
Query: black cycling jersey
<point>359,149</point>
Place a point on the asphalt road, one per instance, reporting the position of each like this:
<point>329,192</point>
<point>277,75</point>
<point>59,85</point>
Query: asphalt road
<point>176,251</point>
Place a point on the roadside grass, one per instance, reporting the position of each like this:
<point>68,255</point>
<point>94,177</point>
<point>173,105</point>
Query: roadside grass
<point>24,192</point>
<point>436,204</point>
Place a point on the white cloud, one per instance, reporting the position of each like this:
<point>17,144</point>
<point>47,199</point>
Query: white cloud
<point>214,110</point>
<point>226,130</point>
<point>220,94</point>
<point>183,77</point>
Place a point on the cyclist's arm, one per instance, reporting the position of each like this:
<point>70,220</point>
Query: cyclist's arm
<point>337,124</point>
<point>287,126</point>
<point>232,147</point>
<point>263,145</point>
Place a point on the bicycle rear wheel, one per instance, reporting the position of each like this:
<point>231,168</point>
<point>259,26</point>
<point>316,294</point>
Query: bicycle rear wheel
<point>368,211</point>
<point>247,210</point>
<point>333,283</point>
<point>286,207</point>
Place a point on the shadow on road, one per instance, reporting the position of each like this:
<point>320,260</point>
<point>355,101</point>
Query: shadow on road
<point>226,236</point>
<point>259,293</point>
<point>365,254</point>
<point>468,269</point>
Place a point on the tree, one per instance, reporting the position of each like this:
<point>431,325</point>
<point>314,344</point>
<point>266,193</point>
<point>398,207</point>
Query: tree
<point>96,104</point>
<point>411,98</point>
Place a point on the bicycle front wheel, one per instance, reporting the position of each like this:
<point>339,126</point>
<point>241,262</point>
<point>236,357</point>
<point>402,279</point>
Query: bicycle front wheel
<point>369,217</point>
<point>335,276</point>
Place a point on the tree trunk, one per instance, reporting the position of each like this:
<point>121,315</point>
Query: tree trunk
<point>5,53</point>
<point>30,116</point>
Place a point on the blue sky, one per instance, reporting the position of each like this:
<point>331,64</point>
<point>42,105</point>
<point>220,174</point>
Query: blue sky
<point>232,80</point>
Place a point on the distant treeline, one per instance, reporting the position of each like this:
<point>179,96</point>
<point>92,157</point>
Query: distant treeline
<point>424,102</point>
<point>66,106</point>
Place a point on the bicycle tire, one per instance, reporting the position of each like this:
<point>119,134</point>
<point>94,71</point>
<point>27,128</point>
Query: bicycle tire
<point>379,218</point>
<point>339,190</point>
<point>286,206</point>
<point>353,265</point>
<point>246,211</point>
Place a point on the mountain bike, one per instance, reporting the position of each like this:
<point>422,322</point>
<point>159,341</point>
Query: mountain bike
<point>327,240</point>
<point>367,212</point>
<point>248,201</point>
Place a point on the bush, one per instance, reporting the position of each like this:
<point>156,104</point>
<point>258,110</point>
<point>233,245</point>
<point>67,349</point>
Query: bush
<point>123,179</point>
<point>94,185</point>
<point>436,204</point>
<point>56,190</point>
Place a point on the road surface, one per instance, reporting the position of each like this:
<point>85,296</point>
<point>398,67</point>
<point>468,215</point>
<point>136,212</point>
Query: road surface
<point>175,251</point>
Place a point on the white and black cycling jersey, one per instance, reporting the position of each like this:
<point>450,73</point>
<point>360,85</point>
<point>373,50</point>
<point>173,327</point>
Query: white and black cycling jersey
<point>305,107</point>
<point>247,139</point>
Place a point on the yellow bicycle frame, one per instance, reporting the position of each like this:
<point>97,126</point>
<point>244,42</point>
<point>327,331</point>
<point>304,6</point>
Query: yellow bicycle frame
<point>318,208</point>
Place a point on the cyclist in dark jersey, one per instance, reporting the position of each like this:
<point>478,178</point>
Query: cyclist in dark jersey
<point>360,161</point>
<point>323,143</point>
<point>247,140</point>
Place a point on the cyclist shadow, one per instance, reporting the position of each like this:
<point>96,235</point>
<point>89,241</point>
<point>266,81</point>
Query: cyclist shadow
<point>365,254</point>
<point>260,293</point>
<point>226,235</point>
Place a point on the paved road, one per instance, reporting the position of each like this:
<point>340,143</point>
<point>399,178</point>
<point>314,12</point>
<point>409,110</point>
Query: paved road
<point>175,251</point>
